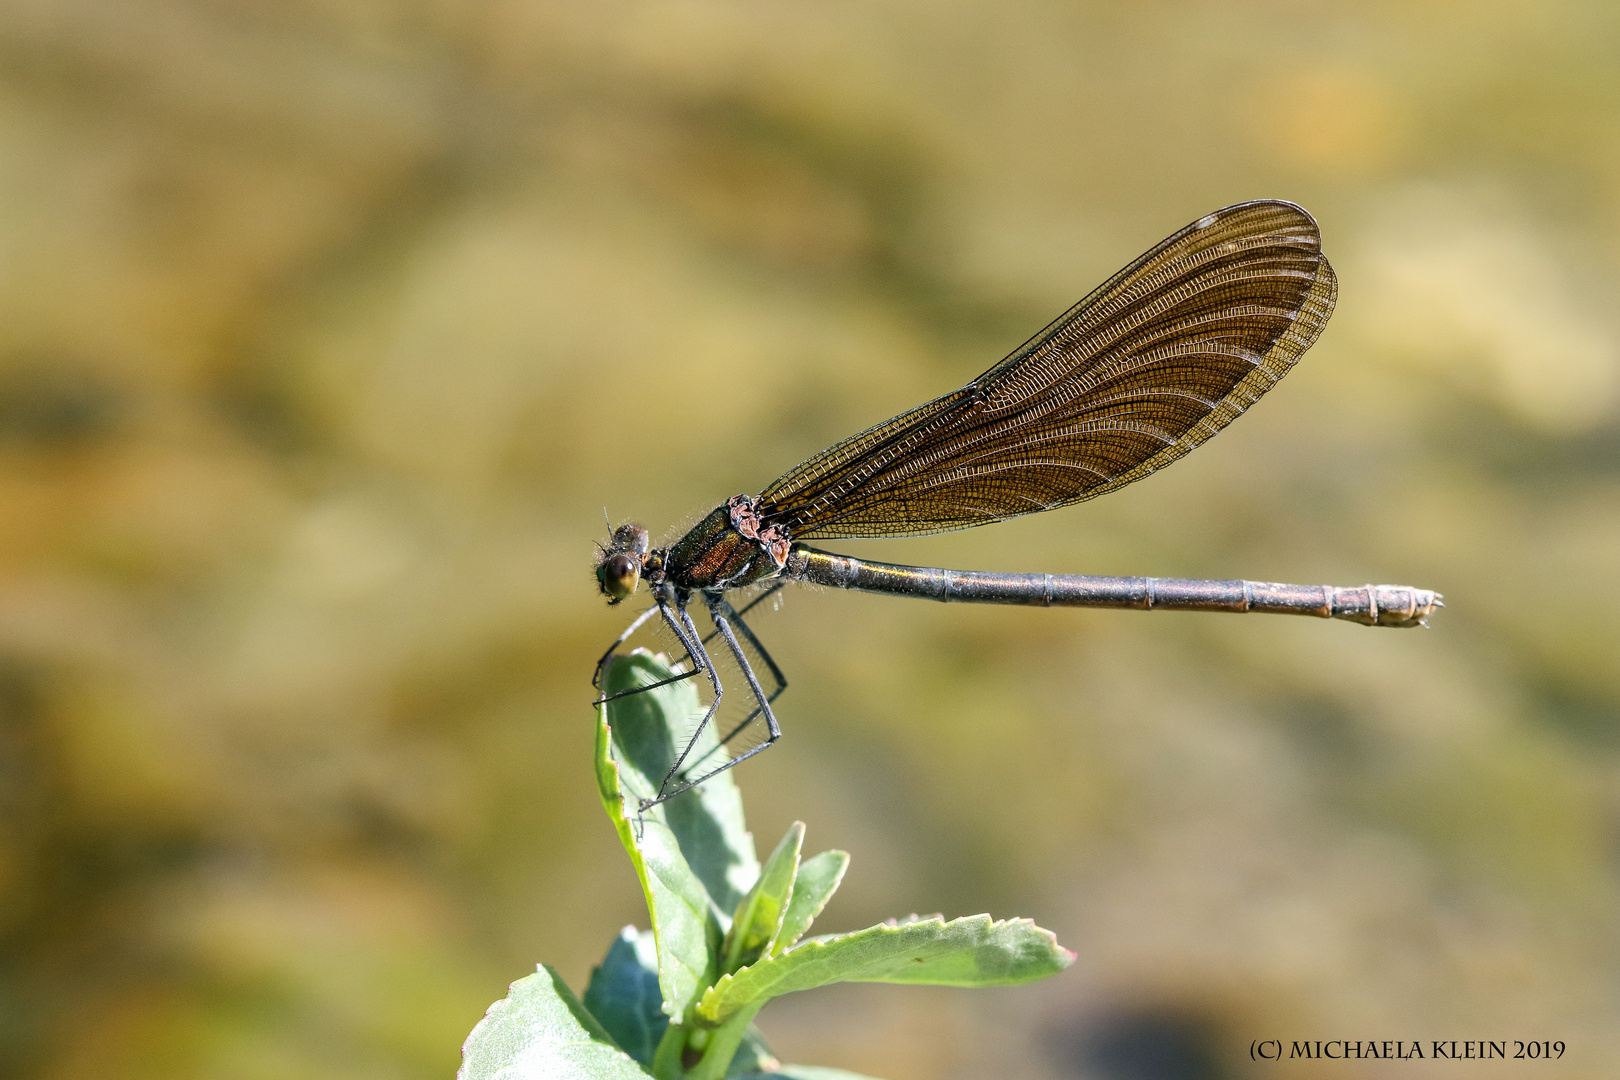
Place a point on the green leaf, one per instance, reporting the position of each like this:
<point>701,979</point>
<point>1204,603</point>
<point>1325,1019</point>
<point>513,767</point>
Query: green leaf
<point>973,951</point>
<point>623,995</point>
<point>817,880</point>
<point>685,926</point>
<point>649,730</point>
<point>540,1031</point>
<point>759,914</point>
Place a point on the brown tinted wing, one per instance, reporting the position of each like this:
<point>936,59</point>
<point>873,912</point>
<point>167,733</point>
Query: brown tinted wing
<point>1156,360</point>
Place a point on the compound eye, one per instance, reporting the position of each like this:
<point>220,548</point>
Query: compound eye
<point>620,574</point>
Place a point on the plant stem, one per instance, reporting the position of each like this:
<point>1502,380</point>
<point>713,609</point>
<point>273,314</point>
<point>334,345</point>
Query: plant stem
<point>666,1062</point>
<point>723,1043</point>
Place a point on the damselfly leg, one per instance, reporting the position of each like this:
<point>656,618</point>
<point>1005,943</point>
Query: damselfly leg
<point>736,619</point>
<point>729,625</point>
<point>601,665</point>
<point>722,612</point>
<point>640,620</point>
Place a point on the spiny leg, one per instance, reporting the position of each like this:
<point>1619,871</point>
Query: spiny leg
<point>724,616</point>
<point>735,617</point>
<point>686,631</point>
<point>773,731</point>
<point>596,677</point>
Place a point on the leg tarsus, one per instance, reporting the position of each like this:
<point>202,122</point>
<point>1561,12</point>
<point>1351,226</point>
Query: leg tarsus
<point>644,689</point>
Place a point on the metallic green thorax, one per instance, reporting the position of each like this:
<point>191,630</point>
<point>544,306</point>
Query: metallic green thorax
<point>726,550</point>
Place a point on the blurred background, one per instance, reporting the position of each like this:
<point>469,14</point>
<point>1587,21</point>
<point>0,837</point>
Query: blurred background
<point>330,327</point>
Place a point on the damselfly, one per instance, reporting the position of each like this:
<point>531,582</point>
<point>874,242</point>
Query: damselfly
<point>1157,359</point>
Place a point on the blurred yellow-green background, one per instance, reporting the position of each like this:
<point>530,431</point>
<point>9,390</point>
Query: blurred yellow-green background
<point>330,327</point>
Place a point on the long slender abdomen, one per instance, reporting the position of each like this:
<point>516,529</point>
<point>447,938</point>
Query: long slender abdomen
<point>1371,605</point>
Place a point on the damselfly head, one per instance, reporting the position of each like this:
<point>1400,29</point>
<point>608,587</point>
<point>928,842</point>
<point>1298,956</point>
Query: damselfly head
<point>618,571</point>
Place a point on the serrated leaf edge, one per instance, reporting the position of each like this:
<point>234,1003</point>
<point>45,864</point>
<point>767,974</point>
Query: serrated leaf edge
<point>708,1006</point>
<point>777,947</point>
